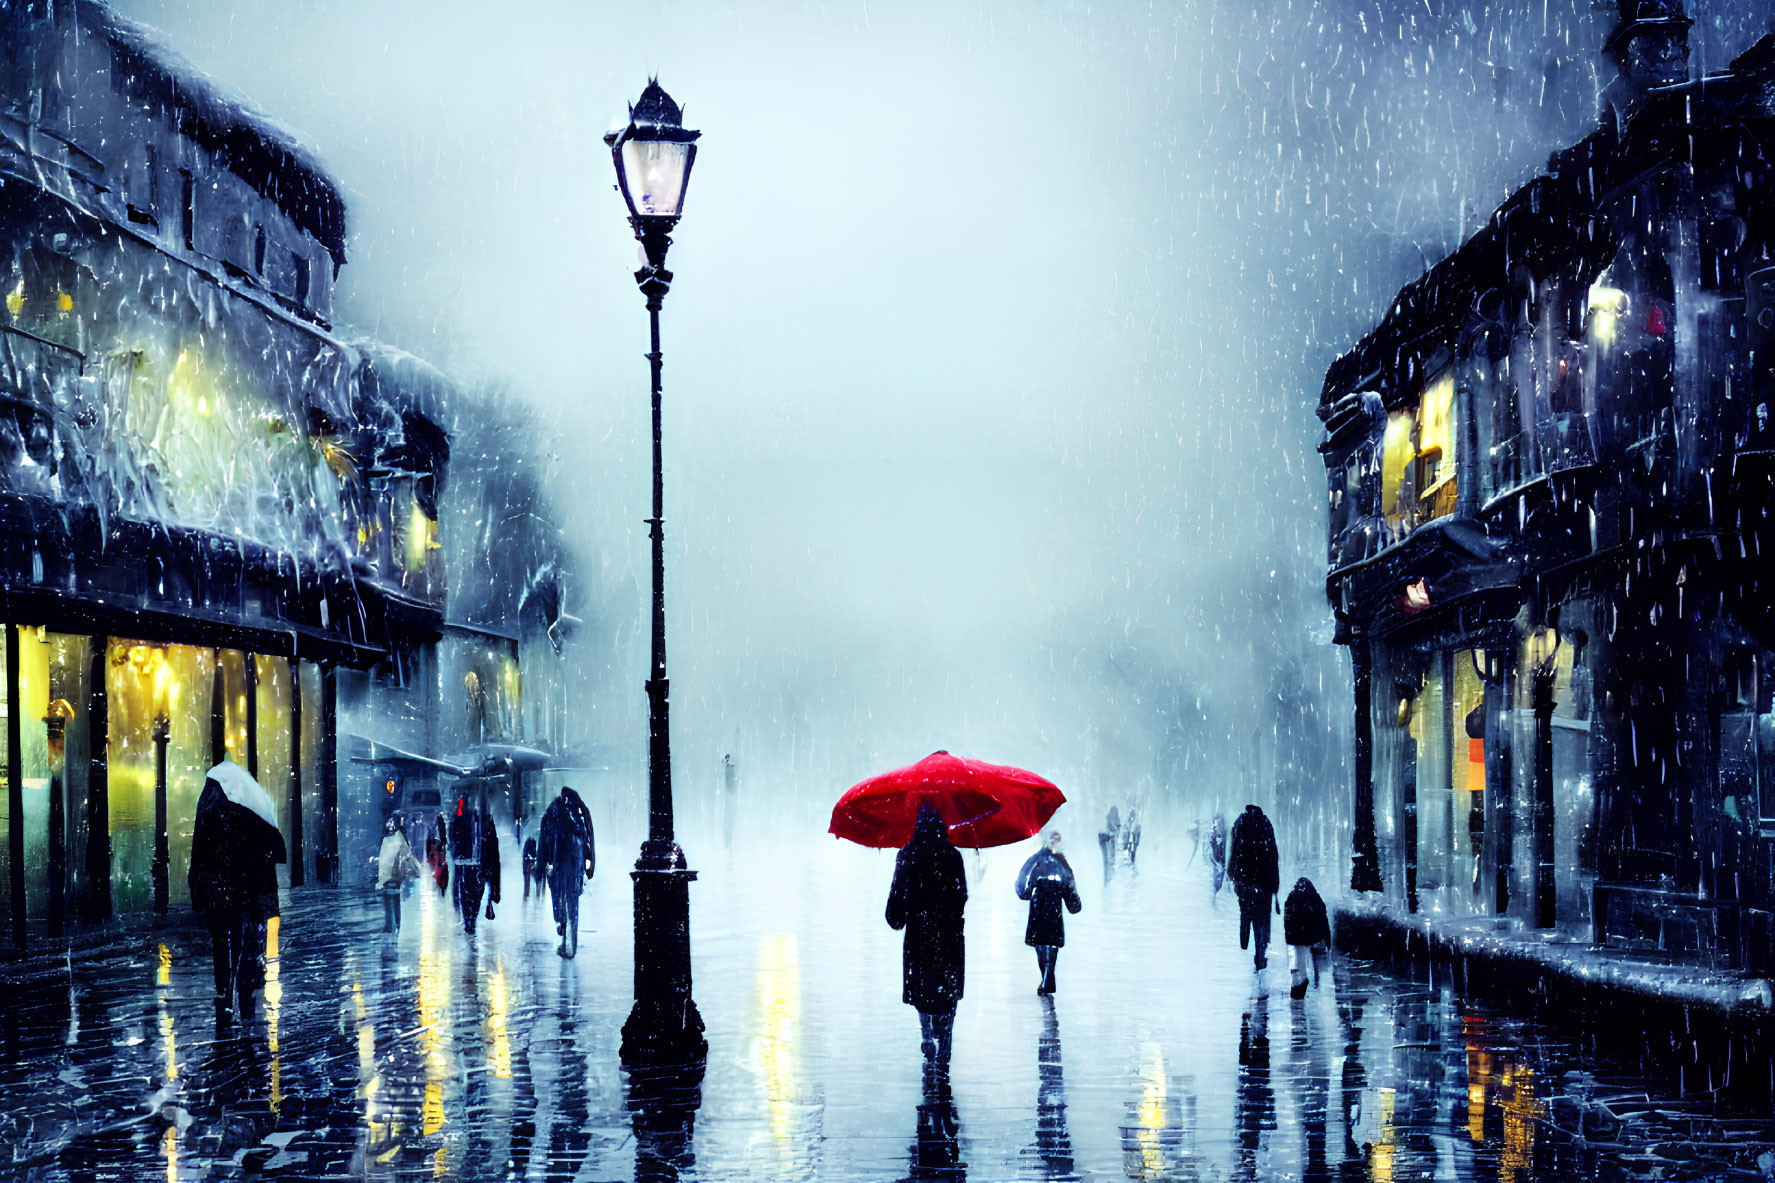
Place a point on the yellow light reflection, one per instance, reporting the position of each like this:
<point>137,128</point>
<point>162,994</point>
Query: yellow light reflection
<point>164,975</point>
<point>434,992</point>
<point>366,1040</point>
<point>773,1051</point>
<point>1149,1112</point>
<point>169,1146</point>
<point>274,993</point>
<point>1520,1111</point>
<point>1479,1073</point>
<point>431,1113</point>
<point>1380,1157</point>
<point>166,1035</point>
<point>499,1048</point>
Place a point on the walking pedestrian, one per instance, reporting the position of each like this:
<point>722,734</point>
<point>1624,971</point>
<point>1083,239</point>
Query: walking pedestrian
<point>1217,853</point>
<point>929,893</point>
<point>1251,864</point>
<point>465,852</point>
<point>1046,881</point>
<point>1109,839</point>
<point>235,849</point>
<point>437,856</point>
<point>395,866</point>
<point>489,865</point>
<point>1307,930</point>
<point>532,873</point>
<point>568,855</point>
<point>1131,835</point>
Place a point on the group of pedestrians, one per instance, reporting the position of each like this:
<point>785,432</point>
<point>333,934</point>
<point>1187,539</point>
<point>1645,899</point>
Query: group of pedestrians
<point>930,893</point>
<point>1252,865</point>
<point>561,855</point>
<point>1118,838</point>
<point>926,901</point>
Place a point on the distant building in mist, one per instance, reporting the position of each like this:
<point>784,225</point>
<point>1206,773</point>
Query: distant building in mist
<point>1552,470</point>
<point>219,520</point>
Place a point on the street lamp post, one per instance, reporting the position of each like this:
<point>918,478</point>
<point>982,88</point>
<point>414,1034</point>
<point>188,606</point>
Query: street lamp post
<point>56,727</point>
<point>653,157</point>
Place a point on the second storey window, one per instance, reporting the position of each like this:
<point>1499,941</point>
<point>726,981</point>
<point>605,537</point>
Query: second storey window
<point>188,209</point>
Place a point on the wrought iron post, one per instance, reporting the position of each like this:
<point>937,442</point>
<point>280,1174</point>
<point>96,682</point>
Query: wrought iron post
<point>664,1025</point>
<point>162,855</point>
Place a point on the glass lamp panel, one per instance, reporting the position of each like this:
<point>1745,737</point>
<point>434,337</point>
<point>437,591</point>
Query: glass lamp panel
<point>655,171</point>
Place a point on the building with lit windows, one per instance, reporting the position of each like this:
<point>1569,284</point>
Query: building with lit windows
<point>210,503</point>
<point>1551,480</point>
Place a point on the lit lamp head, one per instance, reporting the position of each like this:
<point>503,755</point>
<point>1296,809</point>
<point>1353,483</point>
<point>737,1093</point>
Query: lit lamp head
<point>164,692</point>
<point>653,157</point>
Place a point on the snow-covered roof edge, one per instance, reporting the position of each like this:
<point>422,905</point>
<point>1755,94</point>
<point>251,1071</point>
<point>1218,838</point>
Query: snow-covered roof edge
<point>264,152</point>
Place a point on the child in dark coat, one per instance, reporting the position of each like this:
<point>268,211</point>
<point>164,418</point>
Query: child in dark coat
<point>1307,930</point>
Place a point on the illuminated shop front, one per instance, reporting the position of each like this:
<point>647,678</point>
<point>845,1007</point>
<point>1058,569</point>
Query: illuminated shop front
<point>210,503</point>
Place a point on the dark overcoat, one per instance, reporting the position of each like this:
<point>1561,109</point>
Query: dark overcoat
<point>566,845</point>
<point>1303,916</point>
<point>490,856</point>
<point>1251,863</point>
<point>234,857</point>
<point>929,892</point>
<point>1046,881</point>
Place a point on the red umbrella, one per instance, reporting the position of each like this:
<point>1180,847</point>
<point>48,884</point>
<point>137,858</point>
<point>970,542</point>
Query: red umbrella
<point>983,804</point>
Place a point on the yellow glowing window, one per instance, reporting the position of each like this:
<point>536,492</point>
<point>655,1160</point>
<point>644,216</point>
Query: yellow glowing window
<point>1396,456</point>
<point>1608,305</point>
<point>1436,441</point>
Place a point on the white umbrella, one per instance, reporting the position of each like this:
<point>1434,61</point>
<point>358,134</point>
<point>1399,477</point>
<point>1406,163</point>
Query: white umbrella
<point>238,785</point>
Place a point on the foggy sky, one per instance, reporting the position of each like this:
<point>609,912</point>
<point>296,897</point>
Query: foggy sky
<point>994,342</point>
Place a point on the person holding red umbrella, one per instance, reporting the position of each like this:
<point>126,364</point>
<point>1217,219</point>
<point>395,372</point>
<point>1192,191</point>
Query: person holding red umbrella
<point>930,890</point>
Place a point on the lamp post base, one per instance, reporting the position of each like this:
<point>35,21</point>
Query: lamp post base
<point>664,1027</point>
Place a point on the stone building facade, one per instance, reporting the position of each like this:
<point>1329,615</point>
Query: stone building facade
<point>1550,487</point>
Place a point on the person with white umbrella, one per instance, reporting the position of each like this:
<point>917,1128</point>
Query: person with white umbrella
<point>235,849</point>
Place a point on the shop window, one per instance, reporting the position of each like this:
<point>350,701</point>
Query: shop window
<point>142,684</point>
<point>273,746</point>
<point>1467,784</point>
<point>313,808</point>
<point>1565,655</point>
<point>1430,733</point>
<point>53,679</point>
<point>234,708</point>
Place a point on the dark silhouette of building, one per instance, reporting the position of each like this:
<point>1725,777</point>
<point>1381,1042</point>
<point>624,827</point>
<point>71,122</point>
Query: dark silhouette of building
<point>1552,468</point>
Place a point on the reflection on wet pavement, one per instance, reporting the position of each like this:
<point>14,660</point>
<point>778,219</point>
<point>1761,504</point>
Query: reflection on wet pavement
<point>434,1054</point>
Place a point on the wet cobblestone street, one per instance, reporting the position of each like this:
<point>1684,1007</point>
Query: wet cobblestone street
<point>436,1055</point>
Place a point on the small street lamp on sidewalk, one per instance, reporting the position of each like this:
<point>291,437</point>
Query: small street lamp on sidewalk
<point>653,157</point>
